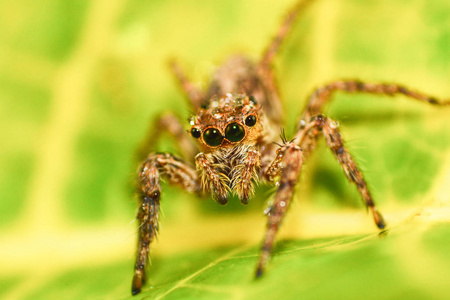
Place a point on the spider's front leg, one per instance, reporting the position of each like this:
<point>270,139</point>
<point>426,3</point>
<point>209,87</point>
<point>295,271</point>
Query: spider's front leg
<point>149,191</point>
<point>287,165</point>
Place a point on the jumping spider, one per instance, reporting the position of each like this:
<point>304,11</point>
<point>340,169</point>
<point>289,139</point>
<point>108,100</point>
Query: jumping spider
<point>237,123</point>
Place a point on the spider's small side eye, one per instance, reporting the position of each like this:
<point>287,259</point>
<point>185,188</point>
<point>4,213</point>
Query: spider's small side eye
<point>212,137</point>
<point>250,121</point>
<point>196,133</point>
<point>234,132</point>
<point>253,100</point>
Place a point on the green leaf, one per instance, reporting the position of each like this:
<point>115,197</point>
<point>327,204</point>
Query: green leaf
<point>80,83</point>
<point>361,266</point>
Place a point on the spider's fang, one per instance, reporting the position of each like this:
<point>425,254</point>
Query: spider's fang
<point>244,200</point>
<point>222,200</point>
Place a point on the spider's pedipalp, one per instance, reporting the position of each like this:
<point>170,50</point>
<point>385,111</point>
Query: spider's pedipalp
<point>245,174</point>
<point>212,179</point>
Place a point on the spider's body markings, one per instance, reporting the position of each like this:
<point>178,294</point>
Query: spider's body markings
<point>233,139</point>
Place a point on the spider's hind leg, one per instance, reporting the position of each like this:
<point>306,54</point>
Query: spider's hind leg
<point>271,100</point>
<point>283,31</point>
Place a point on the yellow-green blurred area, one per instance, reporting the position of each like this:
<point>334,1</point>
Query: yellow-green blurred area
<point>80,82</point>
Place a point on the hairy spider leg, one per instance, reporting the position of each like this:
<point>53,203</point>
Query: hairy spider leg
<point>307,138</point>
<point>287,164</point>
<point>288,160</point>
<point>312,123</point>
<point>283,31</point>
<point>323,94</point>
<point>195,95</point>
<point>167,122</point>
<point>177,172</point>
<point>272,101</point>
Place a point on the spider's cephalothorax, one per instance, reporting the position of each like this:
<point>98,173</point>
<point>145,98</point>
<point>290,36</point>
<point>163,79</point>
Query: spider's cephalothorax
<point>228,131</point>
<point>233,143</point>
<point>226,122</point>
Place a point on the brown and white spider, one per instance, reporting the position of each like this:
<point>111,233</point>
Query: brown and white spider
<point>236,127</point>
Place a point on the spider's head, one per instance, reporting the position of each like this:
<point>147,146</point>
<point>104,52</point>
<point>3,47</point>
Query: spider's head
<point>227,121</point>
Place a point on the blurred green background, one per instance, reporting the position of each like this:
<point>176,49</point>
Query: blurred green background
<point>80,82</point>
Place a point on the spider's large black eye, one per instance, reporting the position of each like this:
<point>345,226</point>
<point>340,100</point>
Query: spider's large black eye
<point>212,137</point>
<point>234,132</point>
<point>250,121</point>
<point>195,132</point>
